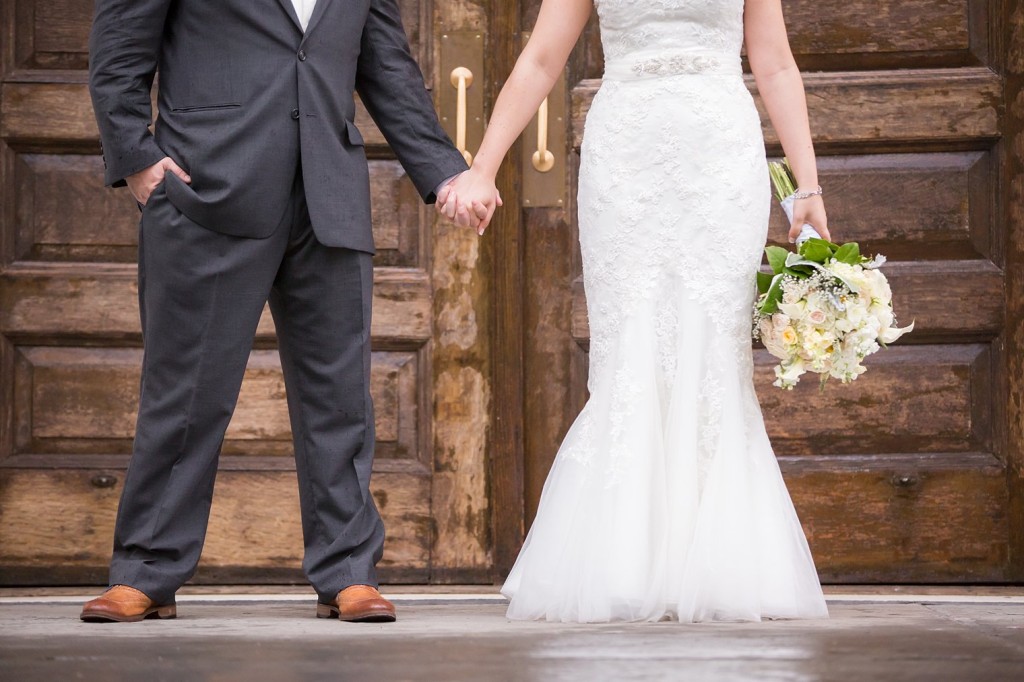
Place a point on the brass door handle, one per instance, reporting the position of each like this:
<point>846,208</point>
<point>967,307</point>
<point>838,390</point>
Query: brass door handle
<point>543,159</point>
<point>462,79</point>
<point>545,183</point>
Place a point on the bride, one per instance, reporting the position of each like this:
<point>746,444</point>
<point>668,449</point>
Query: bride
<point>665,499</point>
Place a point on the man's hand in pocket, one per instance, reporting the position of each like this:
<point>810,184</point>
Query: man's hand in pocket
<point>142,184</point>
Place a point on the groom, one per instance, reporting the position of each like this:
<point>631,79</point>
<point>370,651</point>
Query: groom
<point>254,186</point>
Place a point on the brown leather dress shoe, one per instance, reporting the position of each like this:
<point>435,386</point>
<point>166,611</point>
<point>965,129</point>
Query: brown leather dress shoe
<point>358,604</point>
<point>125,604</point>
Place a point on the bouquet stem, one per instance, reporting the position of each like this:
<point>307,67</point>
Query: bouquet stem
<point>782,179</point>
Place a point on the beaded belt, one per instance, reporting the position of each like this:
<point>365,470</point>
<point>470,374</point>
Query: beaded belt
<point>634,67</point>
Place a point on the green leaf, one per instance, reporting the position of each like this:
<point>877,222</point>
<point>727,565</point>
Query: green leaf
<point>824,242</point>
<point>817,250</point>
<point>849,253</point>
<point>796,261</point>
<point>771,302</point>
<point>764,282</point>
<point>776,258</point>
<point>799,271</point>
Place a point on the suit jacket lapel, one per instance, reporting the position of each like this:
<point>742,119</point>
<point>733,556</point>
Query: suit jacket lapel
<point>290,9</point>
<point>318,11</point>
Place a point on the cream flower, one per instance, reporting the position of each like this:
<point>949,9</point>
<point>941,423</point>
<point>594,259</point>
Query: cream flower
<point>794,310</point>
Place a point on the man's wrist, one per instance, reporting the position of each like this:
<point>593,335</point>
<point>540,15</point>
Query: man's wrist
<point>445,183</point>
<point>136,162</point>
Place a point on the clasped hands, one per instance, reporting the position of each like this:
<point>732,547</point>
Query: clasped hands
<point>469,200</point>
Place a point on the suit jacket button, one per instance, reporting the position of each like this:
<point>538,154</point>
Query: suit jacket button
<point>295,114</point>
<point>302,55</point>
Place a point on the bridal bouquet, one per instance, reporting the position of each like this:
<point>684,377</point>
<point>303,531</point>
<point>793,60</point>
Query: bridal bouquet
<point>825,307</point>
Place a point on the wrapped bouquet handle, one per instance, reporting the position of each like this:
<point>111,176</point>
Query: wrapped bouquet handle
<point>807,231</point>
<point>787,194</point>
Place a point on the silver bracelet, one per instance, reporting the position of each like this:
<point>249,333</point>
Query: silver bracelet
<point>807,195</point>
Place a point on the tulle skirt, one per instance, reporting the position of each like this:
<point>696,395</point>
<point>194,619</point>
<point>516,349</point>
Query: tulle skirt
<point>665,529</point>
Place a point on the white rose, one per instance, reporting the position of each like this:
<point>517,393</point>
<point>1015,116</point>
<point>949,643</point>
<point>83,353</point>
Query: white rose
<point>883,314</point>
<point>879,285</point>
<point>794,311</point>
<point>856,313</point>
<point>787,374</point>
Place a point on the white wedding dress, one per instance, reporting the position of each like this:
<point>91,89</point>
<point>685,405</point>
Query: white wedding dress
<point>665,499</point>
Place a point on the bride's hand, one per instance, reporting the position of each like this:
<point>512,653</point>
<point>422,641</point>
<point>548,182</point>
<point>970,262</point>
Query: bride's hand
<point>810,210</point>
<point>470,200</point>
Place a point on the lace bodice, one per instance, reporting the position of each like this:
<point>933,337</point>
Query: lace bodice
<point>637,30</point>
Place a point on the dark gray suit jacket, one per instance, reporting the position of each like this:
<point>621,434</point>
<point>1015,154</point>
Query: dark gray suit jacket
<point>244,94</point>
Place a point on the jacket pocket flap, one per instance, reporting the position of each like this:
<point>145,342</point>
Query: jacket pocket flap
<point>206,107</point>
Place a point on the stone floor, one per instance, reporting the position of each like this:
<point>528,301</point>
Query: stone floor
<point>466,637</point>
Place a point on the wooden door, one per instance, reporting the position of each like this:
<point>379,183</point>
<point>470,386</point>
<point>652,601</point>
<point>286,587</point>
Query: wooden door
<point>70,345</point>
<point>912,474</point>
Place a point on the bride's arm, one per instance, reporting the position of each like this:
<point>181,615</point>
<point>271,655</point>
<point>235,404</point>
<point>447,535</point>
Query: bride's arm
<point>782,90</point>
<point>559,25</point>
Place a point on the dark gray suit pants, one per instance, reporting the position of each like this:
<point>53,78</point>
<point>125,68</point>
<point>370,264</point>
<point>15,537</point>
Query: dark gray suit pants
<point>201,294</point>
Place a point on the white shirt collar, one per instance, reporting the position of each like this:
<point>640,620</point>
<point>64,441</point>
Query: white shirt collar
<point>304,10</point>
